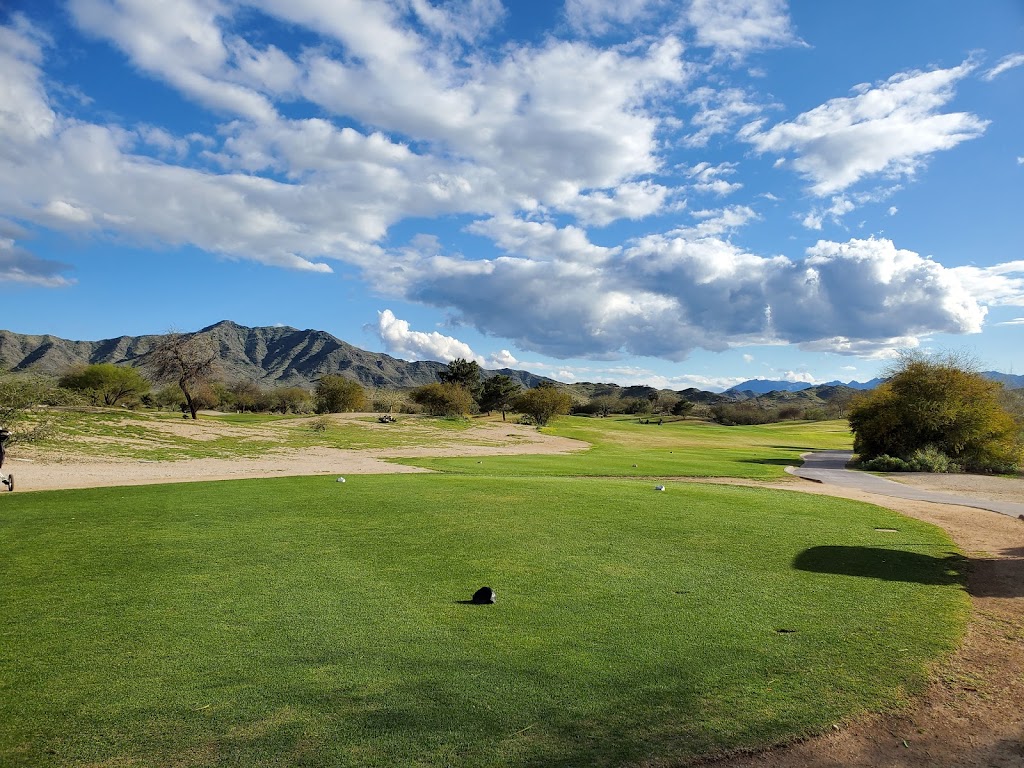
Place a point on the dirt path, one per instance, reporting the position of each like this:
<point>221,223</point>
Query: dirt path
<point>970,715</point>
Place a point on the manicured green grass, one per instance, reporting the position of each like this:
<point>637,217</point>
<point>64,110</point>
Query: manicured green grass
<point>300,621</point>
<point>675,449</point>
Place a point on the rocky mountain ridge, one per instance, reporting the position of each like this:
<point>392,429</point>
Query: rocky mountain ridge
<point>270,356</point>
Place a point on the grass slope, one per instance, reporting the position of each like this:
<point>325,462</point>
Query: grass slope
<point>299,621</point>
<point>623,447</point>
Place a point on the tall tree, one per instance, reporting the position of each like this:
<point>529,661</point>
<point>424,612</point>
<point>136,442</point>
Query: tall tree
<point>462,373</point>
<point>106,383</point>
<point>188,360</point>
<point>543,402</point>
<point>497,394</point>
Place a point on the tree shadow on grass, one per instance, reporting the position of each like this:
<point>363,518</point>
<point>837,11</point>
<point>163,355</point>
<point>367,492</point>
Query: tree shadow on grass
<point>983,576</point>
<point>771,462</point>
<point>884,563</point>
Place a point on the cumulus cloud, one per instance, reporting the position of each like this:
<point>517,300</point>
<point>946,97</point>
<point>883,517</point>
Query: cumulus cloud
<point>1006,63</point>
<point>401,341</point>
<point>666,295</point>
<point>502,359</point>
<point>888,129</point>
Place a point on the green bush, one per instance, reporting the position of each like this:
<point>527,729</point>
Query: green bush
<point>885,463</point>
<point>931,459</point>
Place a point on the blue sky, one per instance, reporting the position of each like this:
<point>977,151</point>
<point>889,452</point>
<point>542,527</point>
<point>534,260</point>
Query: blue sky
<point>642,191</point>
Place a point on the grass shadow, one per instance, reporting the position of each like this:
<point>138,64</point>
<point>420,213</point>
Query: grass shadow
<point>771,462</point>
<point>885,564</point>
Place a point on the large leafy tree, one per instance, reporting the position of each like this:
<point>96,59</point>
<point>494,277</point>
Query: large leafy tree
<point>937,402</point>
<point>498,393</point>
<point>188,360</point>
<point>107,383</point>
<point>543,402</point>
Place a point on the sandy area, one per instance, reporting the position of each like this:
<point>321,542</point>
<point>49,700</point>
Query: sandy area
<point>969,716</point>
<point>33,472</point>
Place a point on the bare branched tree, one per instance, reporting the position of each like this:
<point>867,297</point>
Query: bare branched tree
<point>187,360</point>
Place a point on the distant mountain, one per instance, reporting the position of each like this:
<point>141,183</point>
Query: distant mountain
<point>870,384</point>
<point>272,356</point>
<point>764,386</point>
<point>1009,380</point>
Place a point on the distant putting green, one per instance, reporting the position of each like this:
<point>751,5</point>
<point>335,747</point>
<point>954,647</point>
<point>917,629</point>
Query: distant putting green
<point>625,447</point>
<point>301,621</point>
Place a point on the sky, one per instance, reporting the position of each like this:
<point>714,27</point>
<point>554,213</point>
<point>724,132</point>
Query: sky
<point>667,192</point>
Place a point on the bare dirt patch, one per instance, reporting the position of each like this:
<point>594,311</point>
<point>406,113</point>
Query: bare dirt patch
<point>39,472</point>
<point>980,486</point>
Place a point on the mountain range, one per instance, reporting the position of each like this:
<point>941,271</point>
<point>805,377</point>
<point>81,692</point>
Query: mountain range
<point>270,356</point>
<point>284,356</point>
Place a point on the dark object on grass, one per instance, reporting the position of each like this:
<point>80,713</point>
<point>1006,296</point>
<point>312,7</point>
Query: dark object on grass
<point>483,596</point>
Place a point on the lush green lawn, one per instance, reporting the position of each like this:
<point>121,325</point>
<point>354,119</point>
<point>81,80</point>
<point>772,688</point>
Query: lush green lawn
<point>301,621</point>
<point>688,448</point>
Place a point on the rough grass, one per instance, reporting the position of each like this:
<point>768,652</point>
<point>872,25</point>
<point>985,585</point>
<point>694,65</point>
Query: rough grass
<point>161,436</point>
<point>300,621</point>
<point>675,449</point>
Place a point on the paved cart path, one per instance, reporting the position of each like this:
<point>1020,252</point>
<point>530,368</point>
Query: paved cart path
<point>829,467</point>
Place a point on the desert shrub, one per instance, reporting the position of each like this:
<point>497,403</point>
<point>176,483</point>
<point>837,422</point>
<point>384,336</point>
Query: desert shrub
<point>291,400</point>
<point>443,399</point>
<point>790,413</point>
<point>542,403</point>
<point>337,394</point>
<point>885,463</point>
<point>319,424</point>
<point>733,414</point>
<point>683,408</point>
<point>931,459</point>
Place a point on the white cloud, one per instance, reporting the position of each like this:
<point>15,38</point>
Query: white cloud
<point>1014,321</point>
<point>179,41</point>
<point>1006,63</point>
<point>893,210</point>
<point>717,112</point>
<point>666,295</point>
<point>708,178</point>
<point>840,207</point>
<point>748,358</point>
<point>735,28</point>
<point>888,129</point>
<point>998,285</point>
<point>598,17</point>
<point>401,341</point>
<point>502,359</point>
